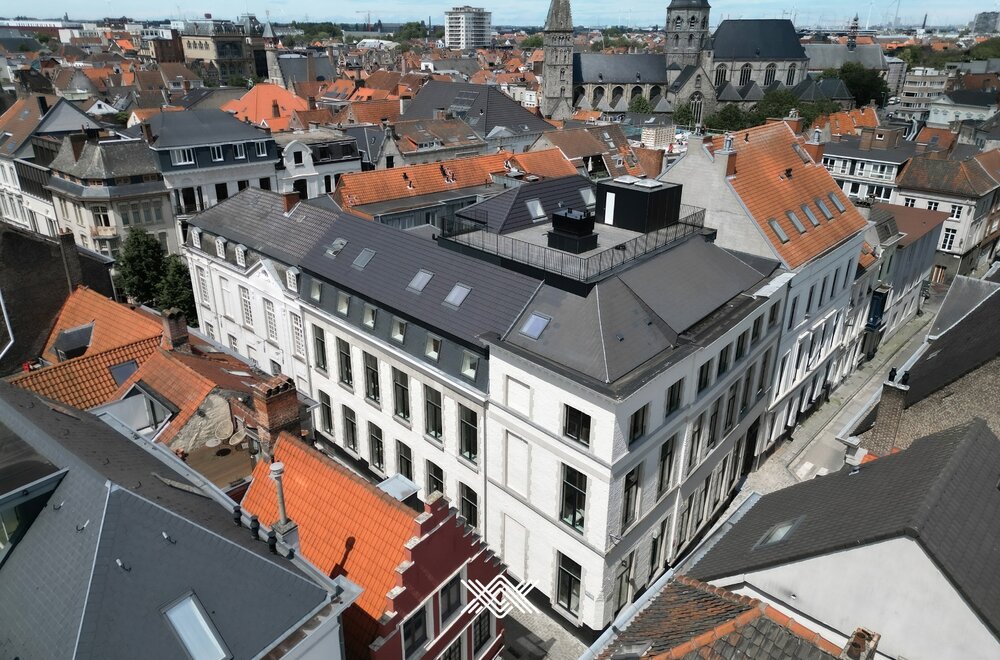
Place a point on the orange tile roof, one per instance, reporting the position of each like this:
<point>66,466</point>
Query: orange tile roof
<point>865,117</point>
<point>312,88</point>
<point>257,105</point>
<point>368,112</point>
<point>867,256</point>
<point>142,114</point>
<point>346,527</point>
<point>548,163</point>
<point>848,122</point>
<point>587,115</point>
<point>86,381</point>
<point>945,138</point>
<point>114,324</point>
<point>763,155</point>
<point>368,94</point>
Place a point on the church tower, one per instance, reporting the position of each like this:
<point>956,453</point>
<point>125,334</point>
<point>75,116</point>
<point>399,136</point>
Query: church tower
<point>557,67</point>
<point>687,31</point>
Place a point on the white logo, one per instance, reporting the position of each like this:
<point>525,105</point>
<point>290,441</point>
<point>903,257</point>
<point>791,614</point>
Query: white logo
<point>500,597</point>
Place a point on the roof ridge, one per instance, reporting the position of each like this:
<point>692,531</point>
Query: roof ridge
<point>932,495</point>
<point>600,329</point>
<point>59,366</point>
<point>802,632</point>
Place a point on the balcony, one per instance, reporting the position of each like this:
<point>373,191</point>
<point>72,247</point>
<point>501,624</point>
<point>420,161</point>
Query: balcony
<point>104,232</point>
<point>181,208</point>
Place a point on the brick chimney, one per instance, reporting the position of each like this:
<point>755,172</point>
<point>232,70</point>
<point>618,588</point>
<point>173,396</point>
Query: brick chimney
<point>889,415</point>
<point>726,156</point>
<point>867,137</point>
<point>794,121</point>
<point>276,409</point>
<point>175,329</point>
<point>861,645</point>
<point>275,110</point>
<point>71,259</point>
<point>290,199</point>
<point>814,147</point>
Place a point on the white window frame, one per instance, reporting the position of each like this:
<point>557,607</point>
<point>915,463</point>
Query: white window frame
<point>261,148</point>
<point>218,154</point>
<point>182,156</point>
<point>220,247</point>
<point>246,306</point>
<point>239,151</point>
<point>270,320</point>
<point>241,256</point>
<point>298,335</point>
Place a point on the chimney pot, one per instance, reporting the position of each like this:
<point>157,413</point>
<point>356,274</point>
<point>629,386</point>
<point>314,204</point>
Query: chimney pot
<point>290,199</point>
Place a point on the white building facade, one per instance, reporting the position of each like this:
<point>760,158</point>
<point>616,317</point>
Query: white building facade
<point>467,27</point>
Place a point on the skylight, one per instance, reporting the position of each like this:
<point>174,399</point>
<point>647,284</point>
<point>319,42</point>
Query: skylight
<point>363,258</point>
<point>824,209</point>
<point>588,197</point>
<point>420,280</point>
<point>195,630</point>
<point>836,202</point>
<point>776,228</point>
<point>778,533</point>
<point>795,221</point>
<point>535,325</point>
<point>535,210</point>
<point>335,247</point>
<point>457,295</point>
<point>809,214</point>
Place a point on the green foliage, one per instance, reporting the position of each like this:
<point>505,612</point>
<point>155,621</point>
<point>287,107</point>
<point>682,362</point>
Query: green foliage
<point>730,118</point>
<point>411,31</point>
<point>438,33</point>
<point>640,105</point>
<point>43,38</point>
<point>237,81</point>
<point>865,85</point>
<point>323,30</point>
<point>121,118</point>
<point>776,103</point>
<point>925,56</point>
<point>534,41</point>
<point>140,266</point>
<point>986,50</point>
<point>683,115</point>
<point>174,289</point>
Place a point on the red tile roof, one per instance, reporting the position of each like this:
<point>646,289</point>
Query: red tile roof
<point>764,156</point>
<point>114,324</point>
<point>346,527</point>
<point>368,112</point>
<point>258,105</point>
<point>945,138</point>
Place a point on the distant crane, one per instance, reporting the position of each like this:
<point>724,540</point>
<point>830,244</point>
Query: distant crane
<point>368,16</point>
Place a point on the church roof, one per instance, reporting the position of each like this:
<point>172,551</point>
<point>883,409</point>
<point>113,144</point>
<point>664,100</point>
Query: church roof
<point>689,4</point>
<point>727,92</point>
<point>560,17</point>
<point>600,69</point>
<point>757,39</point>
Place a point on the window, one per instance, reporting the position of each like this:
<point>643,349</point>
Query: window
<point>568,580</point>
<point>264,183</point>
<point>195,630</point>
<point>270,320</point>
<point>909,202</point>
<point>297,158</point>
<point>325,412</point>
<point>319,347</point>
<point>239,151</point>
<point>404,460</point>
<point>932,206</point>
<point>399,330</point>
<point>435,479</point>
<point>246,307</point>
<point>400,394</point>
<point>372,392</point>
<point>731,407</point>
<point>745,71</point>
<point>346,374</point>
<point>261,149</point>
<point>298,336</point>
<point>674,394</point>
<point>724,359</point>
<point>796,222</point>
<point>457,295</point>
<point>469,504</point>
<point>777,533</point>
<point>772,316</point>
<point>292,279</point>
<point>713,423</point>
<point>451,600</point>
<point>534,326</point>
<point>574,498</point>
<point>810,215</point>
<point>665,466</point>
<point>778,231</point>
<point>769,73</point>
<point>221,191</point>
<point>343,303</point>
<point>220,247</point>
<point>809,299</point>
<point>948,238</point>
<point>350,429</point>
<point>195,233</point>
<point>791,312</point>
<point>468,427</point>
<point>576,425</point>
<point>202,284</point>
<point>182,156</point>
<point>433,347</point>
<point>419,281</point>
<point>241,256</point>
<point>101,217</point>
<point>432,412</point>
<point>482,631</point>
<point>758,324</point>
<point>622,586</point>
<point>414,630</point>
<point>956,212</point>
<point>216,152</point>
<point>637,423</point>
<point>376,449</point>
<point>630,498</point>
<point>704,375</point>
<point>453,652</point>
<point>370,315</point>
<point>790,77</point>
<point>836,202</point>
<point>315,290</point>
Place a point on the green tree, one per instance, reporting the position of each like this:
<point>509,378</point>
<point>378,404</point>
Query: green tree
<point>411,31</point>
<point>986,50</point>
<point>438,33</point>
<point>865,85</point>
<point>121,118</point>
<point>237,81</point>
<point>683,114</point>
<point>776,103</point>
<point>140,266</point>
<point>730,118</point>
<point>534,41</point>
<point>640,105</point>
<point>174,289</point>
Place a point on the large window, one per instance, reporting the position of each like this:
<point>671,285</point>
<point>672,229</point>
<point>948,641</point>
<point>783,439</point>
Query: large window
<point>195,629</point>
<point>665,466</point>
<point>325,412</point>
<point>400,394</point>
<point>637,423</point>
<point>576,425</point>
<point>469,504</point>
<point>344,363</point>
<point>350,429</point>
<point>568,582</point>
<point>435,479</point>
<point>433,425</point>
<point>182,156</point>
<point>482,631</point>
<point>745,72</point>
<point>453,652</point>
<point>270,320</point>
<point>704,375</point>
<point>246,306</point>
<point>404,460</point>
<point>713,423</point>
<point>298,336</point>
<point>414,629</point>
<point>376,448</point>
<point>319,347</point>
<point>674,395</point>
<point>623,587</point>
<point>468,427</point>
<point>574,498</point>
<point>202,284</point>
<point>630,497</point>
<point>948,238</point>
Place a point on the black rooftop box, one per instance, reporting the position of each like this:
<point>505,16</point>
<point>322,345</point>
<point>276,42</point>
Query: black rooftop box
<point>641,205</point>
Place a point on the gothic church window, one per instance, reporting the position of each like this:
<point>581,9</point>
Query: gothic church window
<point>790,79</point>
<point>745,74</point>
<point>720,75</point>
<point>769,73</point>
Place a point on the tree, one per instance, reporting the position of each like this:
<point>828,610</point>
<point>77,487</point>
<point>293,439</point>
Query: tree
<point>986,50</point>
<point>683,114</point>
<point>140,266</point>
<point>640,105</point>
<point>174,289</point>
<point>534,41</point>
<point>865,85</point>
<point>730,118</point>
<point>411,31</point>
<point>237,81</point>
<point>776,103</point>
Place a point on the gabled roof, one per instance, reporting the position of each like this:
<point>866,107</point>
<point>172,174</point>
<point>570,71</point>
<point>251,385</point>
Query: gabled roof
<point>195,127</point>
<point>962,178</point>
<point>484,107</point>
<point>429,134</point>
<point>114,324</point>
<point>912,222</point>
<point>626,70</point>
<point>757,39</point>
<point>20,121</point>
<point>972,97</point>
<point>941,493</point>
<point>509,211</point>
<point>834,56</point>
<point>106,160</point>
<point>368,112</point>
<point>258,106</point>
<point>763,155</point>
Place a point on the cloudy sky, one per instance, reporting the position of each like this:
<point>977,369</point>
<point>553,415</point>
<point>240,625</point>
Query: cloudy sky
<point>528,12</point>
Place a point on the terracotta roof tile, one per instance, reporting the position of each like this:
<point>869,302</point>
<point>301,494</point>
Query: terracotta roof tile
<point>20,120</point>
<point>114,324</point>
<point>763,157</point>
<point>944,137</point>
<point>368,112</point>
<point>970,178</point>
<point>346,527</point>
<point>257,105</point>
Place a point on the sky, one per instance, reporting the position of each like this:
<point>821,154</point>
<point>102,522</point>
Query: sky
<point>528,12</point>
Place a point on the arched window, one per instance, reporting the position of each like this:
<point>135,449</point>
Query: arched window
<point>693,22</point>
<point>562,74</point>
<point>616,95</point>
<point>745,72</point>
<point>578,94</point>
<point>636,91</point>
<point>769,73</point>
<point>720,75</point>
<point>704,23</point>
<point>598,95</point>
<point>696,103</point>
<point>790,78</point>
<point>697,81</point>
<point>655,92</point>
<point>678,23</point>
<point>676,39</point>
<point>690,39</point>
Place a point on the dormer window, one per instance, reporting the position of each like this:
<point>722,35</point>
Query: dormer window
<point>220,247</point>
<point>196,237</point>
<point>241,256</point>
<point>292,279</point>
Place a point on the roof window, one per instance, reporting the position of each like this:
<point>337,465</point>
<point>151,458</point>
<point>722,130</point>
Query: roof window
<point>810,215</point>
<point>192,626</point>
<point>420,280</point>
<point>457,295</point>
<point>779,232</point>
<point>535,325</point>
<point>824,209</point>
<point>796,222</point>
<point>778,533</point>
<point>535,210</point>
<point>836,202</point>
<point>363,258</point>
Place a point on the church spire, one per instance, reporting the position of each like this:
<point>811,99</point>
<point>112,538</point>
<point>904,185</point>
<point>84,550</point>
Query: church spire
<point>557,65</point>
<point>560,19</point>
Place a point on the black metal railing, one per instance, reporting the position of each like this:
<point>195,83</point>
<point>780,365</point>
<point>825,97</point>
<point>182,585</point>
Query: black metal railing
<point>584,269</point>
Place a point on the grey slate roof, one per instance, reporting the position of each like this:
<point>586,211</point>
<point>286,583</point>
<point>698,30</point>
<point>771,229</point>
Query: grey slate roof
<point>62,593</point>
<point>483,107</point>
<point>106,160</point>
<point>498,294</point>
<point>757,39</point>
<point>508,211</point>
<point>369,139</point>
<point>941,493</point>
<point>196,127</point>
<point>255,218</point>
<point>848,147</point>
<point>295,68</point>
<point>600,69</point>
<point>835,89</point>
<point>834,56</point>
<point>972,97</point>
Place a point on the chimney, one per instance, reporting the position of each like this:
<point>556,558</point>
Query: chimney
<point>312,102</point>
<point>889,415</point>
<point>43,106</point>
<point>814,147</point>
<point>285,529</point>
<point>275,110</point>
<point>276,409</point>
<point>147,132</point>
<point>440,113</point>
<point>290,199</point>
<point>727,155</point>
<point>71,260</point>
<point>867,137</point>
<point>404,103</point>
<point>861,645</point>
<point>175,329</point>
<point>794,121</point>
<point>76,142</point>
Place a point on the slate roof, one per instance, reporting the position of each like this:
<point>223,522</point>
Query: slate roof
<point>484,107</point>
<point>627,70</point>
<point>963,178</point>
<point>255,218</point>
<point>757,39</point>
<point>195,127</point>
<point>693,620</point>
<point>114,505</point>
<point>295,68</point>
<point>106,160</point>
<point>972,97</point>
<point>509,211</point>
<point>941,493</point>
<point>430,134</point>
<point>369,139</point>
<point>833,56</point>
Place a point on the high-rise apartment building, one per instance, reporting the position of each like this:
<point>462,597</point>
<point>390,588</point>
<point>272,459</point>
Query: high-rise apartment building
<point>467,27</point>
